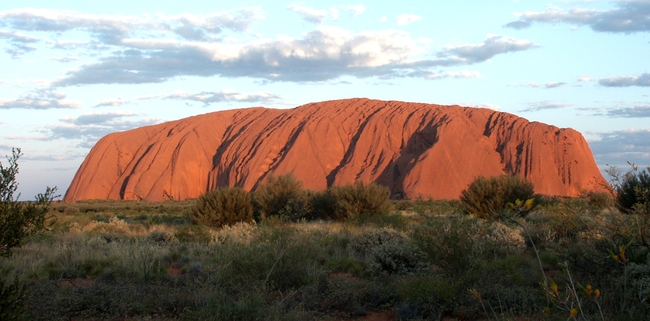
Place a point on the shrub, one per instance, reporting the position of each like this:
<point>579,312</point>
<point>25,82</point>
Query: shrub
<point>224,206</point>
<point>365,242</point>
<point>358,201</point>
<point>600,200</point>
<point>450,243</point>
<point>12,299</point>
<point>281,196</point>
<point>486,197</point>
<point>631,189</point>
<point>19,220</point>
<point>323,205</point>
<point>388,252</point>
<point>160,237</point>
<point>399,258</point>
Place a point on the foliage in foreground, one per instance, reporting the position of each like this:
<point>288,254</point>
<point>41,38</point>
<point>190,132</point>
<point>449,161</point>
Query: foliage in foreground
<point>18,221</point>
<point>442,265</point>
<point>358,201</point>
<point>281,196</point>
<point>223,206</point>
<point>485,197</point>
<point>634,190</point>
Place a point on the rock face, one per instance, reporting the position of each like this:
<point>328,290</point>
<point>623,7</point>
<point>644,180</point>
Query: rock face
<point>415,149</point>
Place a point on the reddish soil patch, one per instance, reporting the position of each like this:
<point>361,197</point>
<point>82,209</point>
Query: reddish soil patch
<point>173,271</point>
<point>343,276</point>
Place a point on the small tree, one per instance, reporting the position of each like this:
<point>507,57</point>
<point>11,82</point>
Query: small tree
<point>631,193</point>
<point>18,221</point>
<point>486,196</point>
<point>223,206</point>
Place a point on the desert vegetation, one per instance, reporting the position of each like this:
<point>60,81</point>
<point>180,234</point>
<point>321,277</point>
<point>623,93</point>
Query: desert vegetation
<point>284,253</point>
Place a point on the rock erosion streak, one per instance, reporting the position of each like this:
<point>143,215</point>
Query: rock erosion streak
<point>413,148</point>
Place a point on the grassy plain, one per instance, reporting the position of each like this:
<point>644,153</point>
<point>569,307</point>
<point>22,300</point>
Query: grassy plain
<point>426,260</point>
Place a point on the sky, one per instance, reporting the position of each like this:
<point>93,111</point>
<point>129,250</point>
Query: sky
<point>74,71</point>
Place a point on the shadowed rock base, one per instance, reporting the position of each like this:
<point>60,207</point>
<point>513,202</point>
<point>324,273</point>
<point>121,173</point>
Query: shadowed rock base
<point>413,148</point>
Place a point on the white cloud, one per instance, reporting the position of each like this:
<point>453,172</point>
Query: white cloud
<point>629,16</point>
<point>113,102</point>
<point>111,28</point>
<point>323,54</point>
<point>355,10</point>
<point>550,85</point>
<point>451,74</point>
<point>226,95</point>
<point>334,13</point>
<point>165,51</point>
<point>64,59</point>
<point>90,127</point>
<point>543,105</point>
<point>97,118</point>
<point>383,19</point>
<point>639,111</point>
<point>533,84</point>
<point>619,147</point>
<point>40,99</point>
<point>626,81</point>
<point>308,14</point>
<point>483,105</point>
<point>493,45</point>
<point>17,37</point>
<point>405,19</point>
<point>317,16</point>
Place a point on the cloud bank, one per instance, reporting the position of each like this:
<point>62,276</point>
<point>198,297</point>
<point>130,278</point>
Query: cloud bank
<point>619,147</point>
<point>626,81</point>
<point>90,127</point>
<point>628,17</point>
<point>40,99</point>
<point>323,54</point>
<point>153,49</point>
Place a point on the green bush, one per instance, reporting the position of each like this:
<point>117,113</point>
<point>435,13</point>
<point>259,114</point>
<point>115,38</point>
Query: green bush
<point>357,201</point>
<point>19,220</point>
<point>281,196</point>
<point>12,299</point>
<point>323,205</point>
<point>631,190</point>
<point>601,200</point>
<point>486,197</point>
<point>223,206</point>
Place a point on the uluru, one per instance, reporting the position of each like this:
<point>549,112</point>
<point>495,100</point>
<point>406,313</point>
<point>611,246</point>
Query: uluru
<point>415,149</point>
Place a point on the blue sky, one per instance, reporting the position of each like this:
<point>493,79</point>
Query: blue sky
<point>74,71</point>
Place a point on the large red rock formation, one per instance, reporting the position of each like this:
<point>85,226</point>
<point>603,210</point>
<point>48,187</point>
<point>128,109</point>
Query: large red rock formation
<point>415,149</point>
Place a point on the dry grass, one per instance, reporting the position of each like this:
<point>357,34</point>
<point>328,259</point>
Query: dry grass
<point>141,261</point>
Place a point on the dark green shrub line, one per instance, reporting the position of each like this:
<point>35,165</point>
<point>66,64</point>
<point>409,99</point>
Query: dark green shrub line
<point>283,198</point>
